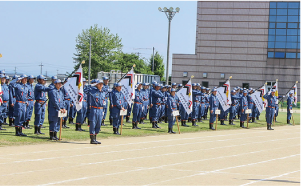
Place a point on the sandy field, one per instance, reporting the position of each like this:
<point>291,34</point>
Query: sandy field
<point>229,157</point>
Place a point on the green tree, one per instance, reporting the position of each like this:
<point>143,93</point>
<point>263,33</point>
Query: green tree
<point>126,61</point>
<point>159,68</point>
<point>105,50</point>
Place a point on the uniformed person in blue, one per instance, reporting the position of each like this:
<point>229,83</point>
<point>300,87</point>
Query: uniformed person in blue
<point>203,99</point>
<point>270,109</point>
<point>107,90</point>
<point>207,103</point>
<point>151,110</point>
<point>12,101</point>
<point>240,94</point>
<point>96,103</point>
<point>40,103</point>
<point>233,108</point>
<point>56,104</point>
<point>21,93</point>
<point>137,109</point>
<point>68,103</point>
<point>244,107</point>
<point>5,99</point>
<point>81,114</point>
<point>6,110</point>
<point>290,101</point>
<point>163,104</point>
<point>53,79</point>
<point>31,99</point>
<point>145,104</point>
<point>157,95</point>
<point>213,104</point>
<point>117,105</point>
<point>196,94</point>
<point>171,106</point>
<point>250,104</point>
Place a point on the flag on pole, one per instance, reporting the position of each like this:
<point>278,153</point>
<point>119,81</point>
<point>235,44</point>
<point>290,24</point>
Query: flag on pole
<point>263,92</point>
<point>74,87</point>
<point>128,86</point>
<point>276,89</point>
<point>185,96</point>
<point>294,91</point>
<point>222,98</point>
<point>257,98</point>
<point>227,91</point>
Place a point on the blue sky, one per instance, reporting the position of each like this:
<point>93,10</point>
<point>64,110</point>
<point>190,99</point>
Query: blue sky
<point>35,32</point>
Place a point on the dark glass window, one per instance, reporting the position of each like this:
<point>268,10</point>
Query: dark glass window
<point>284,28</point>
<point>205,84</point>
<point>279,54</point>
<point>245,85</point>
<point>270,54</point>
<point>298,55</point>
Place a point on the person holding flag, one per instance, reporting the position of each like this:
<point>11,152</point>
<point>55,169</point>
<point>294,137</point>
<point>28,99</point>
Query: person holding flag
<point>213,104</point>
<point>157,95</point>
<point>117,105</point>
<point>137,109</point>
<point>106,89</point>
<point>234,105</point>
<point>171,106</point>
<point>56,104</point>
<point>81,114</point>
<point>290,101</point>
<point>243,108</point>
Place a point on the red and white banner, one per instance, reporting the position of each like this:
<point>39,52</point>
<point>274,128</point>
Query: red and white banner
<point>263,91</point>
<point>227,91</point>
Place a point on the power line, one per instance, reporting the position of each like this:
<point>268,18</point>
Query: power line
<point>41,67</point>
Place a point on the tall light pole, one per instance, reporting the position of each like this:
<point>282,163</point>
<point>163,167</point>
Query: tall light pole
<point>170,13</point>
<point>89,61</point>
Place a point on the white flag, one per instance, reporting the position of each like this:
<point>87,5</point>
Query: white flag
<point>263,91</point>
<point>185,96</point>
<point>294,91</point>
<point>227,91</point>
<point>222,98</point>
<point>276,89</point>
<point>128,86</point>
<point>257,98</point>
<point>74,87</point>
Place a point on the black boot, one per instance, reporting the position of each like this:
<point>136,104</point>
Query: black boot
<point>93,141</point>
<point>27,125</point>
<point>189,119</point>
<point>103,123</point>
<point>17,131</point>
<point>127,119</point>
<point>20,130</point>
<point>270,127</point>
<point>238,116</point>
<point>80,127</point>
<point>55,136</point>
<point>66,125</point>
<point>182,123</point>
<point>98,142</point>
<point>153,125</point>
<point>257,118</point>
<point>243,125</point>
<point>36,131</point>
<point>211,127</point>
<point>185,125</point>
<point>51,135</point>
<point>253,120</point>
<point>240,124</point>
<point>1,126</point>
<point>205,117</point>
<point>201,120</point>
<point>171,131</point>
<point>222,122</point>
<point>85,120</point>
<point>133,125</point>
<point>230,121</point>
<point>288,122</point>
<point>156,124</point>
<point>111,121</point>
<point>275,120</point>
<point>40,130</point>
<point>89,123</point>
<point>5,122</point>
<point>136,125</point>
<point>165,119</point>
<point>194,123</point>
<point>117,131</point>
<point>76,127</point>
<point>71,120</point>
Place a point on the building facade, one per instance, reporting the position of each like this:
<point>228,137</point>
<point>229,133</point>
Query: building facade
<point>252,41</point>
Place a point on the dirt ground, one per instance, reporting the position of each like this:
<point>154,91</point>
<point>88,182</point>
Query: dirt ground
<point>229,157</point>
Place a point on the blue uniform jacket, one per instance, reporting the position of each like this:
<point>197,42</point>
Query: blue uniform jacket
<point>40,92</point>
<point>171,104</point>
<point>5,94</point>
<point>21,91</point>
<point>271,100</point>
<point>157,95</point>
<point>213,102</point>
<point>31,91</point>
<point>244,102</point>
<point>56,102</point>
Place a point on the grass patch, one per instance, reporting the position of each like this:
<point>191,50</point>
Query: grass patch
<point>8,137</point>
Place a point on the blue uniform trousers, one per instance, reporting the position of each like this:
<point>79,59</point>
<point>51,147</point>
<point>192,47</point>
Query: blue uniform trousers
<point>29,110</point>
<point>243,116</point>
<point>11,111</point>
<point>156,112</point>
<point>81,114</point>
<point>213,115</point>
<point>116,117</point>
<point>206,109</point>
<point>72,112</point>
<point>232,112</point>
<point>202,110</point>
<point>54,124</point>
<point>270,112</point>
<point>183,113</point>
<point>129,110</point>
<point>162,111</point>
<point>277,109</point>
<point>95,119</point>
<point>195,110</point>
<point>19,113</point>
<point>4,111</point>
<point>171,120</point>
<point>39,112</point>
<point>137,112</point>
<point>105,110</point>
<point>145,110</point>
<point>67,107</point>
<point>254,112</point>
<point>289,115</point>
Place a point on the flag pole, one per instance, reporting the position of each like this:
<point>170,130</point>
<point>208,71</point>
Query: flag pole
<point>126,73</point>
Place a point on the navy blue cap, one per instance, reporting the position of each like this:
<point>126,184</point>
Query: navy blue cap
<point>154,82</point>
<point>214,89</point>
<point>233,91</point>
<point>207,88</point>
<point>202,88</point>
<point>15,77</point>
<point>7,77</point>
<point>180,85</point>
<point>98,81</point>
<point>291,93</point>
<point>31,77</point>
<point>2,76</point>
<point>2,71</point>
<point>241,89</point>
<point>173,84</point>
<point>245,91</point>
<point>23,76</point>
<point>273,90</point>
<point>54,77</point>
<point>93,81</point>
<point>193,84</point>
<point>145,84</point>
<point>105,78</point>
<point>172,90</point>
<point>117,85</point>
<point>41,77</point>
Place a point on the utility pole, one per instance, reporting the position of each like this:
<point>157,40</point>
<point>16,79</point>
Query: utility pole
<point>15,70</point>
<point>153,69</point>
<point>89,61</point>
<point>41,67</point>
<point>46,73</point>
<point>57,72</point>
<point>170,13</point>
<point>138,54</point>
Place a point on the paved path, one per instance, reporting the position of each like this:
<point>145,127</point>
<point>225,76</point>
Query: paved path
<point>229,157</point>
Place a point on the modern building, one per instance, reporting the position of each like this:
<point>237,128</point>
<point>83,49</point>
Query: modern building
<point>253,41</point>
